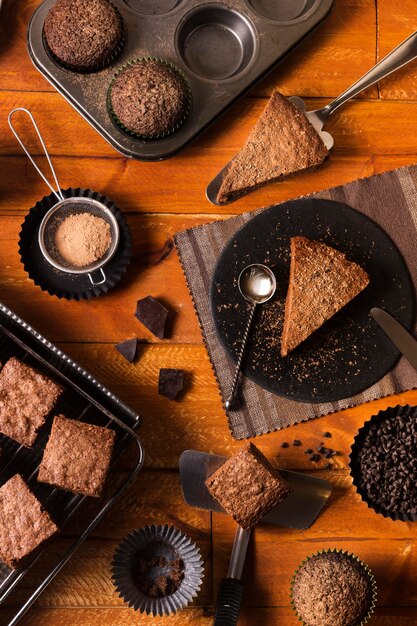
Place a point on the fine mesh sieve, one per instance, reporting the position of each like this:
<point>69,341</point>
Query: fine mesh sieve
<point>63,209</point>
<point>54,218</point>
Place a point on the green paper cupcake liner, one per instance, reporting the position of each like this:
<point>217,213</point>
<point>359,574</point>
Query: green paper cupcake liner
<point>120,124</point>
<point>366,568</point>
<point>112,58</point>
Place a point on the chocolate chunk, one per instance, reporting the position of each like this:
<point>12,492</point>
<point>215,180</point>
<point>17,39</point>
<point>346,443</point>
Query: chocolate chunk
<point>285,444</point>
<point>315,457</point>
<point>321,449</point>
<point>328,453</point>
<point>308,451</point>
<point>152,315</point>
<point>328,466</point>
<point>296,443</point>
<point>128,349</point>
<point>171,382</point>
<point>327,435</point>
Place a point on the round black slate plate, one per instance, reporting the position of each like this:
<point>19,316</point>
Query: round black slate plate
<point>347,354</point>
<point>62,284</point>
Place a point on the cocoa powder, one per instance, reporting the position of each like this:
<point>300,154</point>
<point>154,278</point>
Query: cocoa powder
<point>82,239</point>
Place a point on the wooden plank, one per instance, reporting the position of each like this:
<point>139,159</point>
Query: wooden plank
<point>325,64</point>
<point>362,126</point>
<point>198,421</point>
<point>275,616</point>
<point>396,21</point>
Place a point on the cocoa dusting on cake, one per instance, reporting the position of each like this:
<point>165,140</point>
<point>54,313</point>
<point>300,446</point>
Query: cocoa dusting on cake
<point>332,589</point>
<point>322,281</point>
<point>84,34</point>
<point>149,98</point>
<point>282,143</point>
<point>157,570</point>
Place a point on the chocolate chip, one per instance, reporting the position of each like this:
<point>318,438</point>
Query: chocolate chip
<point>328,466</point>
<point>171,382</point>
<point>327,435</point>
<point>321,449</point>
<point>285,444</point>
<point>315,457</point>
<point>296,443</point>
<point>128,349</point>
<point>152,315</point>
<point>308,451</point>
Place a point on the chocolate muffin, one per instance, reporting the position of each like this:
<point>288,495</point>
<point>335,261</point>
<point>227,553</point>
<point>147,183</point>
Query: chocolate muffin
<point>84,35</point>
<point>149,98</point>
<point>333,588</point>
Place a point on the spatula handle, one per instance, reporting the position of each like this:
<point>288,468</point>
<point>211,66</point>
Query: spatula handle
<point>228,602</point>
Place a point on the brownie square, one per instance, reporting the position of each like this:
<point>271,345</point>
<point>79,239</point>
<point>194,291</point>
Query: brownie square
<point>24,525</point>
<point>247,486</point>
<point>26,398</point>
<point>77,456</point>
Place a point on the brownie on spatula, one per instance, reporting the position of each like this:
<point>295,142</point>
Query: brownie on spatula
<point>322,281</point>
<point>247,486</point>
<point>282,143</point>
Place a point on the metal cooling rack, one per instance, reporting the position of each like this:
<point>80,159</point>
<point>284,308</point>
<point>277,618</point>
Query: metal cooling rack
<point>84,399</point>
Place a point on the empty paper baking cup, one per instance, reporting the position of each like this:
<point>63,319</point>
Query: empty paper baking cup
<point>405,412</point>
<point>366,570</point>
<point>166,542</point>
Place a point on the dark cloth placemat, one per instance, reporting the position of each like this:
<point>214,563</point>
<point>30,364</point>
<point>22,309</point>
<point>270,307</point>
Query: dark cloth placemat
<point>390,199</point>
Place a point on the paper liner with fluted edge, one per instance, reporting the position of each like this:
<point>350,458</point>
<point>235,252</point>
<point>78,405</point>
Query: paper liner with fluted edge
<point>61,284</point>
<point>187,107</point>
<point>112,58</point>
<point>403,410</point>
<point>187,552</point>
<point>366,568</point>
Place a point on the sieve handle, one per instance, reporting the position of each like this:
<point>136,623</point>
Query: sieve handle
<point>103,280</point>
<point>57,192</point>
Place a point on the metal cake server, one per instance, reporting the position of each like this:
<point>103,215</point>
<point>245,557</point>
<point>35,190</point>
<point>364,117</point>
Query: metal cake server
<point>397,58</point>
<point>299,510</point>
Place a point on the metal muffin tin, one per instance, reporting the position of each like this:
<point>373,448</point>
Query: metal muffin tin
<point>222,49</point>
<point>85,399</point>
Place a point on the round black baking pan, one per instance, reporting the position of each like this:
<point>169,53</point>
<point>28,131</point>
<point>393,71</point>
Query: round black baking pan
<point>349,353</point>
<point>406,412</point>
<point>63,284</point>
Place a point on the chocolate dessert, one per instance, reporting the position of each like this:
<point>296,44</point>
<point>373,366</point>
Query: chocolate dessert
<point>158,571</point>
<point>322,281</point>
<point>149,98</point>
<point>24,525</point>
<point>84,35</point>
<point>282,143</point>
<point>333,589</point>
<point>77,456</point>
<point>26,398</point>
<point>247,486</point>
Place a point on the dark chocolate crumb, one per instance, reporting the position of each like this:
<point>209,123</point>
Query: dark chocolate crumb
<point>327,435</point>
<point>285,444</point>
<point>321,449</point>
<point>171,382</point>
<point>296,443</point>
<point>315,458</point>
<point>308,451</point>
<point>128,349</point>
<point>153,315</point>
<point>328,466</point>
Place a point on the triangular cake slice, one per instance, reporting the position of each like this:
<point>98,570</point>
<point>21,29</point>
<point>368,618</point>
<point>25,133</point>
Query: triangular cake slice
<point>283,142</point>
<point>322,281</point>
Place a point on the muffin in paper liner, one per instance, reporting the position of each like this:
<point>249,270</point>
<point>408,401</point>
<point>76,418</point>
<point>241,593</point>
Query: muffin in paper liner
<point>112,58</point>
<point>365,567</point>
<point>175,543</point>
<point>399,410</point>
<point>132,133</point>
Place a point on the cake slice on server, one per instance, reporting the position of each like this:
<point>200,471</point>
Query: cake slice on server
<point>322,281</point>
<point>283,142</point>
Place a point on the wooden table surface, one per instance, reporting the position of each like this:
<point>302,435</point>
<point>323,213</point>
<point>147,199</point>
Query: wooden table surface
<point>376,132</point>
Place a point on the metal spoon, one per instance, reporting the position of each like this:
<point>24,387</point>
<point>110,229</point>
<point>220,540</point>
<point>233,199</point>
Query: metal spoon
<point>257,285</point>
<point>397,58</point>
